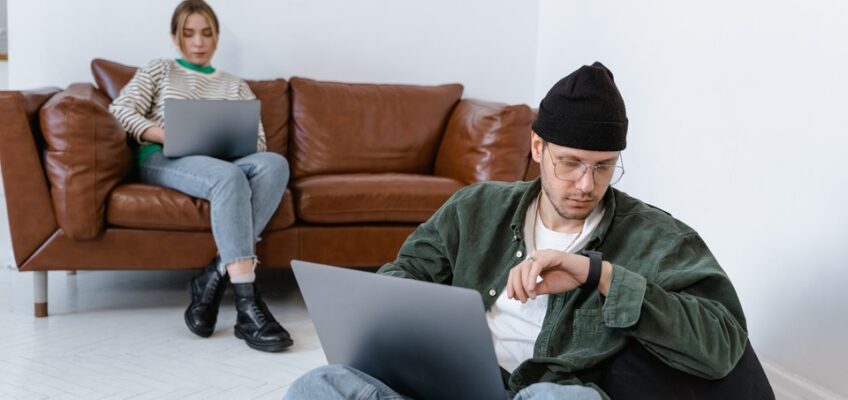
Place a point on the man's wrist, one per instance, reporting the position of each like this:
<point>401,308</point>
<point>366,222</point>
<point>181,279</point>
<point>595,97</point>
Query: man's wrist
<point>593,276</point>
<point>606,278</point>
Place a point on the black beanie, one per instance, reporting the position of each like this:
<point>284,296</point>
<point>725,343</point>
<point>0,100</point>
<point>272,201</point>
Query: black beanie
<point>585,111</point>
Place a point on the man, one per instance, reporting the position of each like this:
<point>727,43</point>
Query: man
<point>574,274</point>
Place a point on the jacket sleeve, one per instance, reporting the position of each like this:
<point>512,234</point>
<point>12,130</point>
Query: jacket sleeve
<point>687,314</point>
<point>424,255</point>
<point>136,100</point>
<point>246,94</point>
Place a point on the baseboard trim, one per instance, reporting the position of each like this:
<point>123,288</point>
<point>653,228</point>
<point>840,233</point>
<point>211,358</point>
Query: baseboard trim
<point>790,386</point>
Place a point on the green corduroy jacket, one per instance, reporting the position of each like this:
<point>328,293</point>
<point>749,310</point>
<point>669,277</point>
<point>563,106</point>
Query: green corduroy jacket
<point>668,292</point>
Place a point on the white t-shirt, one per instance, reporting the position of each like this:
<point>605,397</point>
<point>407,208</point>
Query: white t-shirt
<point>516,326</point>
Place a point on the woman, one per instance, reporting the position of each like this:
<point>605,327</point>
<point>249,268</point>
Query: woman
<point>243,193</point>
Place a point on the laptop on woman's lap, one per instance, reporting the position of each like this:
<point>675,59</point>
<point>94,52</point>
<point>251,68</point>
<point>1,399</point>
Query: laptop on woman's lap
<point>225,129</point>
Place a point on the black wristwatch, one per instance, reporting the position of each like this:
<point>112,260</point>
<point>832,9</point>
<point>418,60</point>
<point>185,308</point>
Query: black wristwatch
<point>596,259</point>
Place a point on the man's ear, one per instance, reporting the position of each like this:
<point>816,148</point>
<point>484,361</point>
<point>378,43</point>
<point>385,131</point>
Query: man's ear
<point>536,144</point>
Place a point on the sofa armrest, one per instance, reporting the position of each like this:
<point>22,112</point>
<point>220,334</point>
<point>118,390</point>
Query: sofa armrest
<point>30,213</point>
<point>87,155</point>
<point>485,141</point>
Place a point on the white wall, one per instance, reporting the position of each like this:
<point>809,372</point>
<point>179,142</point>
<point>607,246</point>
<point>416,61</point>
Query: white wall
<point>3,25</point>
<point>735,109</point>
<point>4,67</point>
<point>5,244</point>
<point>736,127</point>
<point>488,45</point>
<point>4,75</point>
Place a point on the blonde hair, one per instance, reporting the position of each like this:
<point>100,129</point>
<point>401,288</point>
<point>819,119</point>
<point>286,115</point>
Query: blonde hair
<point>186,8</point>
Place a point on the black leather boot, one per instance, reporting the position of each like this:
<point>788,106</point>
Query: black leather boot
<point>206,290</point>
<point>255,324</point>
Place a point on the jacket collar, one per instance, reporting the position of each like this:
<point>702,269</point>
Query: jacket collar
<point>601,231</point>
<point>517,223</point>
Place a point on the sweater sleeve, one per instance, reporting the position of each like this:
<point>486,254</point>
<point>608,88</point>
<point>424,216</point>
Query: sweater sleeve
<point>246,94</point>
<point>133,105</point>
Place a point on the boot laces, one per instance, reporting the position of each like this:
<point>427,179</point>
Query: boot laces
<point>211,289</point>
<point>260,309</point>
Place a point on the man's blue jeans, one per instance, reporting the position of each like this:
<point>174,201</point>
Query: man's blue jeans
<point>243,194</point>
<point>338,382</point>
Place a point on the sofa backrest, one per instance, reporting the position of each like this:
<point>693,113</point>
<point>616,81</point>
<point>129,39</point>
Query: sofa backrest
<point>370,128</point>
<point>111,77</point>
<point>337,128</point>
<point>486,141</point>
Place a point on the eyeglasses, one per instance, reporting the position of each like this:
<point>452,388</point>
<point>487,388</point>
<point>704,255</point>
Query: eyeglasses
<point>573,171</point>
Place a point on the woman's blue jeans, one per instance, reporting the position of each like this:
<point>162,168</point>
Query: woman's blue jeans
<point>243,194</point>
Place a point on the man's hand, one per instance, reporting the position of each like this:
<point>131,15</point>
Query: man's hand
<point>153,134</point>
<point>560,272</point>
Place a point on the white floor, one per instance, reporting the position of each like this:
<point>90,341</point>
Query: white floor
<point>121,335</point>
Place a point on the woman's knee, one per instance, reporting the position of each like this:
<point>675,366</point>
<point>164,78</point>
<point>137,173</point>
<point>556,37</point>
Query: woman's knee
<point>231,178</point>
<point>273,165</point>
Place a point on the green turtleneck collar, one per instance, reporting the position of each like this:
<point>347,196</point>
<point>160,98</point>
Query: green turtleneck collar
<point>194,67</point>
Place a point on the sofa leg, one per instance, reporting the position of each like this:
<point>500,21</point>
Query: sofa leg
<point>39,280</point>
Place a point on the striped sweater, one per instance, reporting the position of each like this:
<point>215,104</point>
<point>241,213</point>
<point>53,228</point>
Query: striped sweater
<point>141,102</point>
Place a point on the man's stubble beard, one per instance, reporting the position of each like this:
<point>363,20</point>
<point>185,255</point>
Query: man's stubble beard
<point>562,213</point>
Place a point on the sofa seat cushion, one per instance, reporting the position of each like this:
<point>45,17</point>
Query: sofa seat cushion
<point>142,206</point>
<point>351,198</point>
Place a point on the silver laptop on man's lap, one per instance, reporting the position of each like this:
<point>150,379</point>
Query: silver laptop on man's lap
<point>424,340</point>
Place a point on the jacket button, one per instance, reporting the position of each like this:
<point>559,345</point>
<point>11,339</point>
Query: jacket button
<point>519,253</point>
<point>492,292</point>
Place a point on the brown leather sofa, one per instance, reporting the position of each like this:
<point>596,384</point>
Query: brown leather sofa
<point>369,163</point>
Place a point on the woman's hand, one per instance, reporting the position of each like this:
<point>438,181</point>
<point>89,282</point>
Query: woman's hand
<point>560,272</point>
<point>154,134</point>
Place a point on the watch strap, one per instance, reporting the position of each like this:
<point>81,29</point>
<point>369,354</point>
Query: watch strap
<point>596,259</point>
